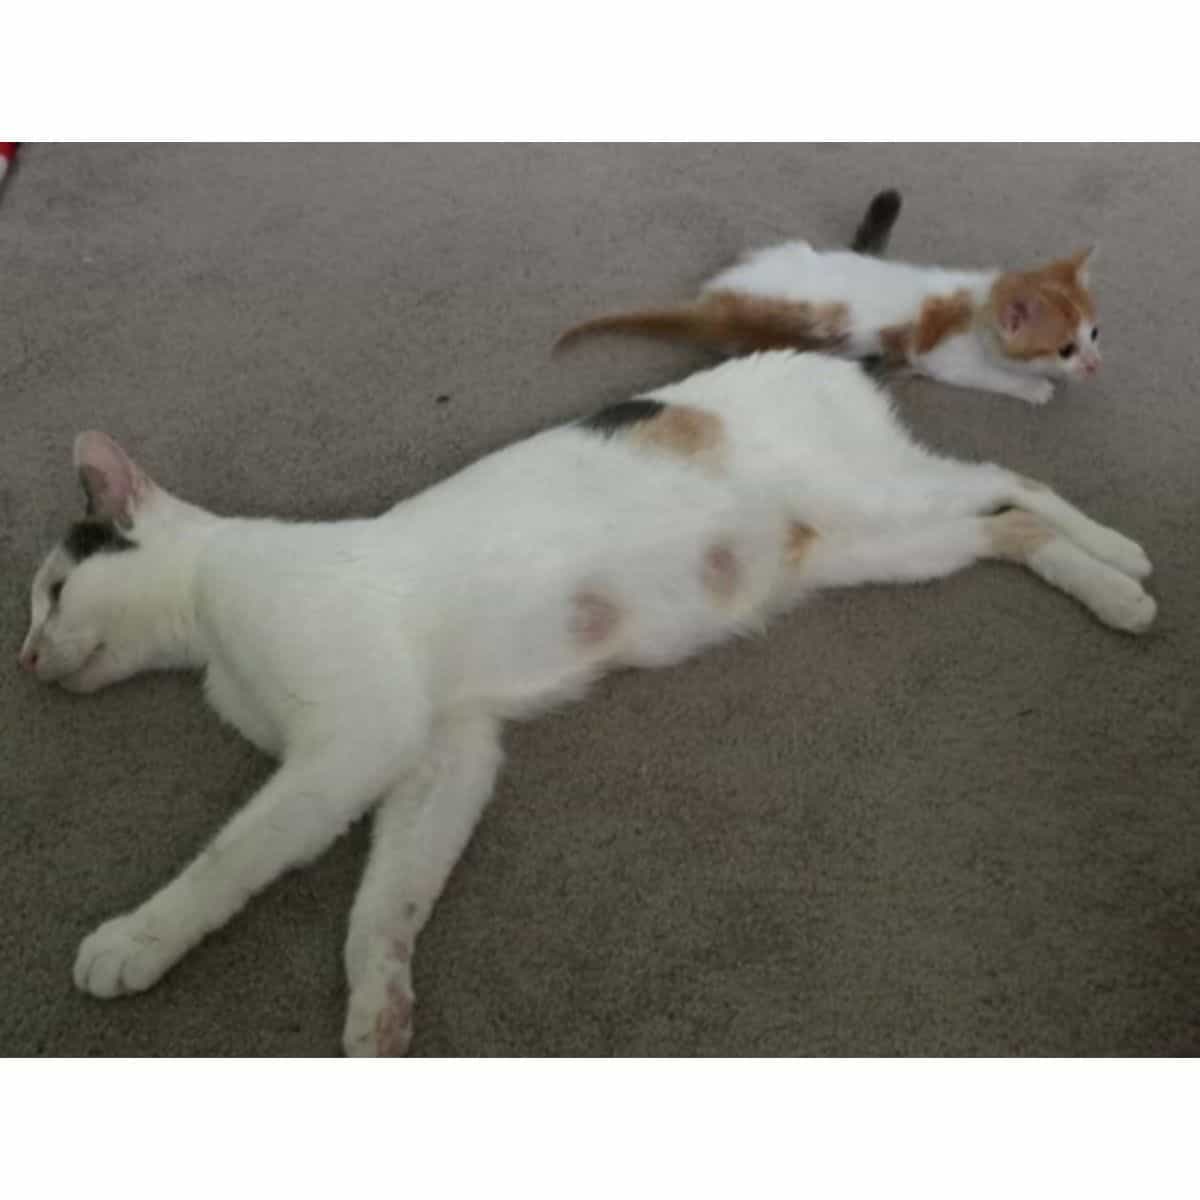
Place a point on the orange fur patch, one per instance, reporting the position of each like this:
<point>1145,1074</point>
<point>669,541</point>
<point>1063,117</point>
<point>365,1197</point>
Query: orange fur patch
<point>735,321</point>
<point>761,323</point>
<point>895,342</point>
<point>681,429</point>
<point>799,538</point>
<point>1016,534</point>
<point>1057,300</point>
<point>942,317</point>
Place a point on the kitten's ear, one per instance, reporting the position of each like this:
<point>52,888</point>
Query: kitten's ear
<point>115,486</point>
<point>1081,264</point>
<point>1018,313</point>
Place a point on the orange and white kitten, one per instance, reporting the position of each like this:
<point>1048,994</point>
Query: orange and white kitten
<point>1012,332</point>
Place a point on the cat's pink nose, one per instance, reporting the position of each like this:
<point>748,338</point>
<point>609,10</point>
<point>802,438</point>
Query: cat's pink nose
<point>28,660</point>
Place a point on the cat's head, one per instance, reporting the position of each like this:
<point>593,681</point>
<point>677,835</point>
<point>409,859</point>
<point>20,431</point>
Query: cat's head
<point>103,599</point>
<point>1045,318</point>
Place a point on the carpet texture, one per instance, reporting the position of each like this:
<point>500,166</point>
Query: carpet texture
<point>960,819</point>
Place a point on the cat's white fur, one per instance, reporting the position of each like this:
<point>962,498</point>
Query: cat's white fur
<point>377,658</point>
<point>881,293</point>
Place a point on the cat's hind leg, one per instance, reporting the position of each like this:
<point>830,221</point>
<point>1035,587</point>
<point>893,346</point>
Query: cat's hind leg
<point>927,548</point>
<point>421,829</point>
<point>1098,540</point>
<point>1113,596</point>
<point>932,549</point>
<point>950,487</point>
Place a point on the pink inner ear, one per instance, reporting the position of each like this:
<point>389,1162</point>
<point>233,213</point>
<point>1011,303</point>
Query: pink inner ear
<point>112,480</point>
<point>1015,315</point>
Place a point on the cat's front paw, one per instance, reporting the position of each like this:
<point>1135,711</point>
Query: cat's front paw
<point>379,1018</point>
<point>1038,393</point>
<point>126,954</point>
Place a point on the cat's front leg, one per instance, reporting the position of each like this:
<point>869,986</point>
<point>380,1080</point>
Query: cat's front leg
<point>420,830</point>
<point>304,807</point>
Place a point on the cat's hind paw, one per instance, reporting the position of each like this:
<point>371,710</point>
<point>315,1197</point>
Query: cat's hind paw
<point>379,1019</point>
<point>126,954</point>
<point>1121,552</point>
<point>1124,604</point>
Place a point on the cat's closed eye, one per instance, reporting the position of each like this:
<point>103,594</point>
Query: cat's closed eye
<point>1067,350</point>
<point>56,591</point>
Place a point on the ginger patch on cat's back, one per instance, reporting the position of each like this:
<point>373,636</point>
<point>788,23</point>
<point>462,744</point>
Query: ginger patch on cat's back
<point>683,430</point>
<point>680,430</point>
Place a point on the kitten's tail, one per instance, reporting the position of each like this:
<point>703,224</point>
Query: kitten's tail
<point>686,322</point>
<point>875,230</point>
<point>733,321</point>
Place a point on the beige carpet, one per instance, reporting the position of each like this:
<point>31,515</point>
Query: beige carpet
<point>956,820</point>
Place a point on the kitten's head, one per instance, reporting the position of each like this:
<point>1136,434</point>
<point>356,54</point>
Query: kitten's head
<point>100,603</point>
<point>1045,318</point>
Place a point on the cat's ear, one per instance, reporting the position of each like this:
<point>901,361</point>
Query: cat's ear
<point>1081,264</point>
<point>114,485</point>
<point>1019,313</point>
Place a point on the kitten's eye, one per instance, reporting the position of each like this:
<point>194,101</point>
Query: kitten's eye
<point>1095,333</point>
<point>1067,350</point>
<point>56,591</point>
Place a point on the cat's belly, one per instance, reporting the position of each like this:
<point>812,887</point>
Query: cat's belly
<point>645,605</point>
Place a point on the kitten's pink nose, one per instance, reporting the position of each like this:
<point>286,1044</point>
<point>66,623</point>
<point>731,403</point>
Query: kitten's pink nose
<point>28,660</point>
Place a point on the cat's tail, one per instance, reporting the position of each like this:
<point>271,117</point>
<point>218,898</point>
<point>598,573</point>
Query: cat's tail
<point>731,321</point>
<point>875,230</point>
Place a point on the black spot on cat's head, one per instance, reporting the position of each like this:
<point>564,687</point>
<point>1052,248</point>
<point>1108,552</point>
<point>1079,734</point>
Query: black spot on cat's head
<point>89,537</point>
<point>620,416</point>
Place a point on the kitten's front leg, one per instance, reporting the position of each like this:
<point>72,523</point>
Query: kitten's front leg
<point>965,367</point>
<point>308,803</point>
<point>421,828</point>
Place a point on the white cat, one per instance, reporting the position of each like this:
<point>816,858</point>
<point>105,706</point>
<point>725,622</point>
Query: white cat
<point>377,658</point>
<point>1011,332</point>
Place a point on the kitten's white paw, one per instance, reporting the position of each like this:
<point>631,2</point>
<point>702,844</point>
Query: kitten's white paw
<point>1038,393</point>
<point>379,1018</point>
<point>1125,605</point>
<point>126,954</point>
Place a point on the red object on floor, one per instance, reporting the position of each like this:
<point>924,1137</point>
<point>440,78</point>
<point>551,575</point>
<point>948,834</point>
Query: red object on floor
<point>8,151</point>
